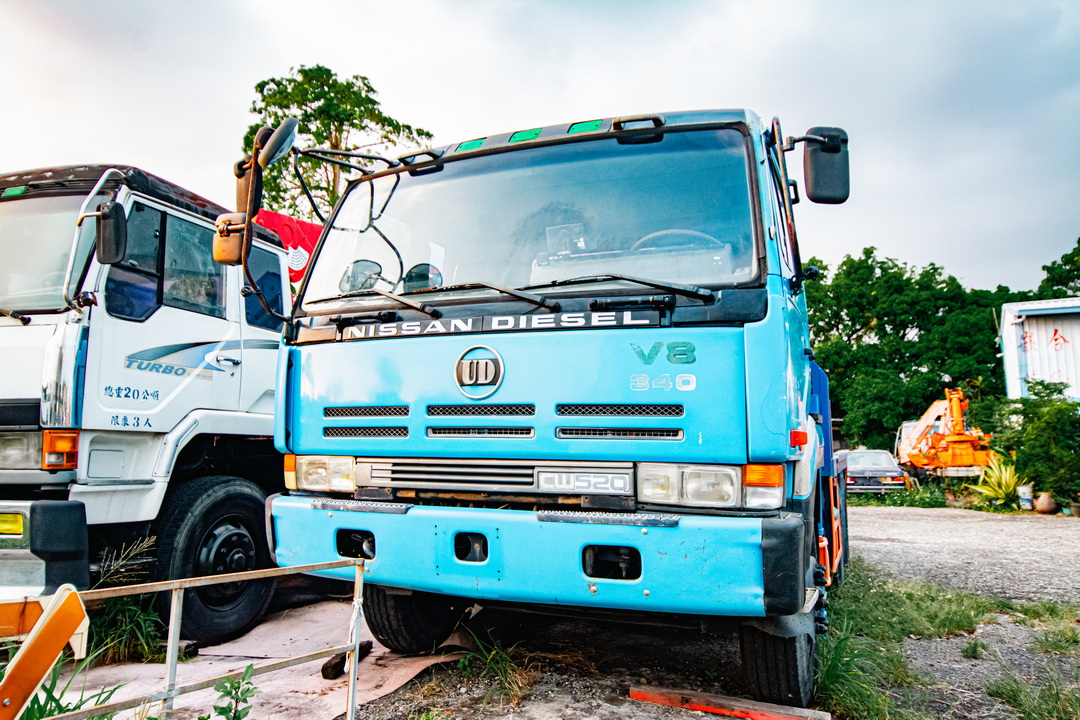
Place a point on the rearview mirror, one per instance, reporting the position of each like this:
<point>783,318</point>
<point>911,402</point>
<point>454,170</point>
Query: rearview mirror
<point>279,143</point>
<point>111,243</point>
<point>229,239</point>
<point>361,275</point>
<point>825,165</point>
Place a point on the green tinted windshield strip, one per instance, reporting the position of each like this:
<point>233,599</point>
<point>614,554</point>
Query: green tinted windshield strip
<point>471,145</point>
<point>590,126</point>
<point>14,191</point>
<point>523,135</point>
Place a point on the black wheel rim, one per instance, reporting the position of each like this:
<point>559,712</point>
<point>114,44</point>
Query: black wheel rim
<point>226,547</point>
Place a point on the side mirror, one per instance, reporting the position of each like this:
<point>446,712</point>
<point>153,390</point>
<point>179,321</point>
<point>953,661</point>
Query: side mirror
<point>825,165</point>
<point>279,143</point>
<point>361,275</point>
<point>111,243</point>
<point>229,239</point>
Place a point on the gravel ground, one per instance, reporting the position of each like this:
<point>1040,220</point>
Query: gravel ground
<point>1017,557</point>
<point>583,670</point>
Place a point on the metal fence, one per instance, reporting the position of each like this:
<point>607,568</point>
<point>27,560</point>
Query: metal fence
<point>171,691</point>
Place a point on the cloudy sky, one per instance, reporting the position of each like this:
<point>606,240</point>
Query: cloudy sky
<point>964,117</point>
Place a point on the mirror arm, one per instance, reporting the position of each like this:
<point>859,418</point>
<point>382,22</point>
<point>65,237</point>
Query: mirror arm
<point>249,231</point>
<point>304,186</point>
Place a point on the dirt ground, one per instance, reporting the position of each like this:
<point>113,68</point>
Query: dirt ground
<point>583,670</point>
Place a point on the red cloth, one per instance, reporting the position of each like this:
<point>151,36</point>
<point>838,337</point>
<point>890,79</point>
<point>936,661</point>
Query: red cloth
<point>298,237</point>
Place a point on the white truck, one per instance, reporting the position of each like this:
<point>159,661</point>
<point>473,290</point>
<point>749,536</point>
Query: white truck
<point>1040,340</point>
<point>136,389</point>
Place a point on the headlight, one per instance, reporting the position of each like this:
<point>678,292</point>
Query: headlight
<point>325,473</point>
<point>20,451</point>
<point>695,485</point>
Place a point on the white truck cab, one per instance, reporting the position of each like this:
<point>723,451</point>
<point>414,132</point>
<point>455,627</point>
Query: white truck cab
<point>136,388</point>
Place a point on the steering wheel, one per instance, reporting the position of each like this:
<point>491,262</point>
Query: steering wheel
<point>663,238</point>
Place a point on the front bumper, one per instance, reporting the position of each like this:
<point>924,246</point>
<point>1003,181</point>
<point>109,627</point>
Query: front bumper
<point>689,564</point>
<point>52,549</point>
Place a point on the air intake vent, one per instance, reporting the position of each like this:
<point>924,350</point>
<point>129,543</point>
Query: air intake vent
<point>626,410</point>
<point>476,432</point>
<point>366,432</point>
<point>619,434</point>
<point>479,410</point>
<point>492,475</point>
<point>367,411</point>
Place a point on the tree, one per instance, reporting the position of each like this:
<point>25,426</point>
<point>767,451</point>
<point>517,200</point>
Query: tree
<point>333,113</point>
<point>1062,276</point>
<point>892,337</point>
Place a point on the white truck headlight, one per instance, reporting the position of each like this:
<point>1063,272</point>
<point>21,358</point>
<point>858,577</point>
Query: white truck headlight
<point>693,485</point>
<point>20,451</point>
<point>325,473</point>
<point>657,483</point>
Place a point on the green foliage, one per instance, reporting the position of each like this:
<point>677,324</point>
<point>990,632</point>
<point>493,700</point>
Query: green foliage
<point>998,483</point>
<point>1043,432</point>
<point>234,699</point>
<point>974,650</point>
<point>1051,698</point>
<point>1062,276</point>
<point>1064,640</point>
<point>334,113</point>
<point>927,496</point>
<point>889,610</point>
<point>127,629</point>
<point>510,682</point>
<point>50,699</point>
<point>892,336</point>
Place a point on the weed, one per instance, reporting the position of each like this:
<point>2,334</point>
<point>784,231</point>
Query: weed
<point>1059,641</point>
<point>974,650</point>
<point>889,610</point>
<point>493,663</point>
<point>1052,698</point>
<point>998,484</point>
<point>50,699</point>
<point>429,714</point>
<point>125,629</point>
<point>234,699</point>
<point>927,496</point>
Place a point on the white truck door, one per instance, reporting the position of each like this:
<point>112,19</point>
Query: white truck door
<point>261,332</point>
<point>165,336</point>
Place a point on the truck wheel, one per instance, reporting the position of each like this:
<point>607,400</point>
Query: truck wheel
<point>210,526</point>
<point>778,669</point>
<point>410,624</point>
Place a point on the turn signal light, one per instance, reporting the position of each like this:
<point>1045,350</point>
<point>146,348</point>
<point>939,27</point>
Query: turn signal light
<point>59,449</point>
<point>290,472</point>
<point>763,475</point>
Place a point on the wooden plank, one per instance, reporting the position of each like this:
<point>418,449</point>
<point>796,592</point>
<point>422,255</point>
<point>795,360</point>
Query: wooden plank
<point>724,705</point>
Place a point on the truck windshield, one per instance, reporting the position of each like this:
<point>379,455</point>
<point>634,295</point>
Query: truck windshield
<point>674,210</point>
<point>35,239</point>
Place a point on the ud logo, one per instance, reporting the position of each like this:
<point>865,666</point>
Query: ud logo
<point>479,372</point>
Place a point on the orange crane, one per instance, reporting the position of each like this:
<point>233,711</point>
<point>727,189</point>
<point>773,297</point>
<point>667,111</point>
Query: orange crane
<point>941,443</point>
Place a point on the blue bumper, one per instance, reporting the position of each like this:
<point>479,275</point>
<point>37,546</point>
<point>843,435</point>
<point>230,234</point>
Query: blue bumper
<point>690,564</point>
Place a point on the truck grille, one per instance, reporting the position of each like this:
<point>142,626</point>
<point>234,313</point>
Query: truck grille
<point>465,432</point>
<point>454,474</point>
<point>573,433</point>
<point>366,432</point>
<point>367,411</point>
<point>480,410</point>
<point>620,410</point>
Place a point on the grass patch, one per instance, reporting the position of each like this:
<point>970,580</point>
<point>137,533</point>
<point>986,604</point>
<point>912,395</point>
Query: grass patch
<point>492,663</point>
<point>1051,697</point>
<point>1059,641</point>
<point>889,610</point>
<point>927,496</point>
<point>974,650</point>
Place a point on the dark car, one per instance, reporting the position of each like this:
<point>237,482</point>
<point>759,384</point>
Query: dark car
<point>869,471</point>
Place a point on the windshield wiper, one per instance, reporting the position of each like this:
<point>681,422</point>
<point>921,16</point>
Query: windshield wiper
<point>15,316</point>
<point>692,291</point>
<point>426,309</point>
<point>538,300</point>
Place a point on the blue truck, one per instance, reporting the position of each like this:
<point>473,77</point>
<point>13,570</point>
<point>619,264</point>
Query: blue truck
<point>567,369</point>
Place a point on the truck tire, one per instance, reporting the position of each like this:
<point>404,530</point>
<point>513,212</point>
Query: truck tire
<point>411,624</point>
<point>778,669</point>
<point>209,526</point>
